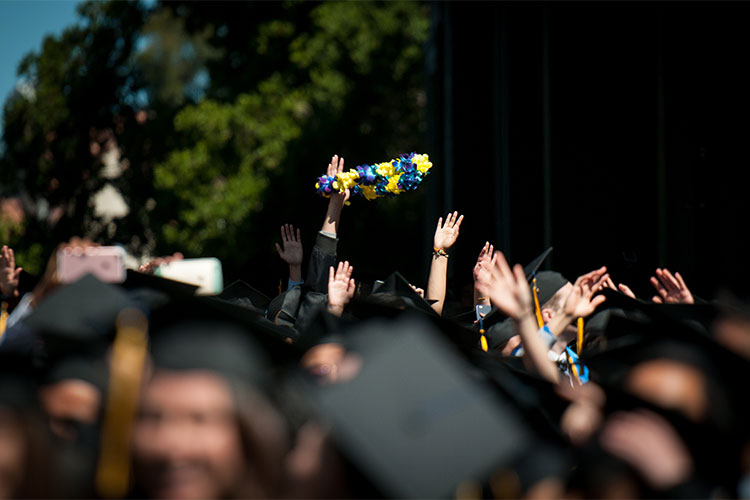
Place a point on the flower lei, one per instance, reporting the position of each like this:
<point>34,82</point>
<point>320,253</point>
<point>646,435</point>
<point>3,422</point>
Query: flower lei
<point>375,181</point>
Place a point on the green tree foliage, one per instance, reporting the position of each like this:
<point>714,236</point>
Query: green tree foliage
<point>224,114</point>
<point>347,79</point>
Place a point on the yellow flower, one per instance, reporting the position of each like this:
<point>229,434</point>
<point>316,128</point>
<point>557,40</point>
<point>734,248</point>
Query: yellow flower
<point>369,192</point>
<point>385,169</point>
<point>347,180</point>
<point>393,184</point>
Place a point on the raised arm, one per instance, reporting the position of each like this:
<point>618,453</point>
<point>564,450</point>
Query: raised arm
<point>9,273</point>
<point>484,261</point>
<point>671,289</point>
<point>337,200</point>
<point>341,288</point>
<point>508,290</point>
<point>291,253</point>
<point>445,236</point>
<point>581,301</point>
<point>323,254</point>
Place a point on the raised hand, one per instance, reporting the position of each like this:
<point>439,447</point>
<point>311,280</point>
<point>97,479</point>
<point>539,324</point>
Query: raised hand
<point>581,301</point>
<point>671,289</point>
<point>446,234</point>
<point>650,444</point>
<point>484,259</point>
<point>337,200</point>
<point>336,166</point>
<point>506,288</point>
<point>9,273</point>
<point>341,287</point>
<point>509,291</point>
<point>291,253</point>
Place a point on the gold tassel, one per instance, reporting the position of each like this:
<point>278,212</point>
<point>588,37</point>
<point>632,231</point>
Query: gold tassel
<point>579,338</point>
<point>537,309</point>
<point>126,373</point>
<point>3,319</point>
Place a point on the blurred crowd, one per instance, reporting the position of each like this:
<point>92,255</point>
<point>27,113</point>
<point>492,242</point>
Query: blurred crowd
<point>548,387</point>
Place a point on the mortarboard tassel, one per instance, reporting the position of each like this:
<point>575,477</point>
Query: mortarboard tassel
<point>482,339</point>
<point>126,372</point>
<point>537,309</point>
<point>579,338</point>
<point>573,369</point>
<point>3,319</point>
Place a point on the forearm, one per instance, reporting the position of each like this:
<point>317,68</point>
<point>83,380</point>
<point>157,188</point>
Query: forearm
<point>437,282</point>
<point>322,257</point>
<point>480,299</point>
<point>535,349</point>
<point>333,215</point>
<point>559,322</point>
<point>295,272</point>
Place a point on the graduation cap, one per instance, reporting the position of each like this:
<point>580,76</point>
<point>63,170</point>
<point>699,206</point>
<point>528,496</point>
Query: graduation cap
<point>135,279</point>
<point>79,317</point>
<point>532,267</point>
<point>413,420</point>
<point>240,292</point>
<point>396,284</point>
<point>203,331</point>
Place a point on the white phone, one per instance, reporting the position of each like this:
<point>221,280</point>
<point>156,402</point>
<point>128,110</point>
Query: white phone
<point>106,263</point>
<point>204,273</point>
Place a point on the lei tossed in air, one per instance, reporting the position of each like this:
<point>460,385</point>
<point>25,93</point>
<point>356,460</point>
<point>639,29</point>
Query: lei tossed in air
<point>382,179</point>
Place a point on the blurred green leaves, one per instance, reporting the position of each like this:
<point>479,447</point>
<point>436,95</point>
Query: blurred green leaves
<point>222,118</point>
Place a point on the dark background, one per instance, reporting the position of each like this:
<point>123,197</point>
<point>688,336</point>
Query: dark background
<point>615,132</point>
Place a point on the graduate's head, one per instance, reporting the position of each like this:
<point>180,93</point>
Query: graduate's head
<point>553,290</point>
<point>205,428</point>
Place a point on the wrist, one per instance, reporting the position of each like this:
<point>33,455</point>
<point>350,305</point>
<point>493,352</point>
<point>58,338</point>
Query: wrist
<point>295,272</point>
<point>439,252</point>
<point>336,309</point>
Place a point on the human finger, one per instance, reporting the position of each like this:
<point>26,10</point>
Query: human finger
<point>626,290</point>
<point>671,280</point>
<point>458,222</point>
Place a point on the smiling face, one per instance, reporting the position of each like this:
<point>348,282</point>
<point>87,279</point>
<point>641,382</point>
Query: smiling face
<point>187,442</point>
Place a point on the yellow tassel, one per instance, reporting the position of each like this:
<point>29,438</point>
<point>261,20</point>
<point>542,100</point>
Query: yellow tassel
<point>537,309</point>
<point>483,341</point>
<point>579,338</point>
<point>573,369</point>
<point>128,360</point>
<point>3,319</point>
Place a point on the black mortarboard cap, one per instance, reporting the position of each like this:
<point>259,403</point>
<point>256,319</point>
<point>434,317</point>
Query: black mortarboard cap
<point>240,290</point>
<point>548,283</point>
<point>79,316</point>
<point>396,284</point>
<point>533,266</point>
<point>135,279</point>
<point>412,420</point>
<point>210,328</point>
